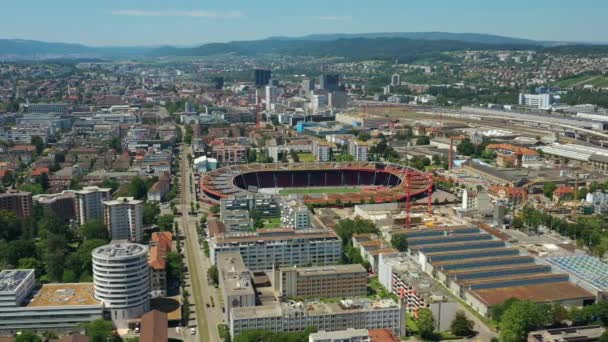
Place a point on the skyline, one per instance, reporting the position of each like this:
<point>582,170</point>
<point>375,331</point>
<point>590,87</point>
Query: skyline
<point>195,22</point>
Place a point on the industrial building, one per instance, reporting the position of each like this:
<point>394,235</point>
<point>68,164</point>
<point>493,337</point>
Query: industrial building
<point>57,307</point>
<point>484,270</point>
<point>264,249</point>
<point>335,281</point>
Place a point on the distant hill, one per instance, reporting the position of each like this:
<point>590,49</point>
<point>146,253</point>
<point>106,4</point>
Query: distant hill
<point>23,49</point>
<point>461,37</point>
<point>357,48</point>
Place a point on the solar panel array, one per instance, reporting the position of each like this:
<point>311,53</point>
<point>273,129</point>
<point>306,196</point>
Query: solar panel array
<point>590,269</point>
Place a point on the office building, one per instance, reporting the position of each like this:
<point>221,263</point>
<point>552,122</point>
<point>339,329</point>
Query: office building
<point>262,77</point>
<point>235,281</point>
<point>307,86</point>
<point>294,214</point>
<point>297,316</point>
<point>122,280</point>
<point>265,205</point>
<point>55,307</point>
<point>358,149</point>
<point>540,101</point>
<point>337,99</point>
<point>89,203</point>
<point>396,80</point>
<point>330,82</point>
<point>124,218</point>
<point>18,202</point>
<point>62,204</point>
<point>272,93</point>
<point>218,83</point>
<point>264,249</point>
<point>47,108</point>
<point>336,281</point>
<point>318,101</point>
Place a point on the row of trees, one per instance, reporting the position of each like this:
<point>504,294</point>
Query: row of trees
<point>587,231</point>
<point>516,318</point>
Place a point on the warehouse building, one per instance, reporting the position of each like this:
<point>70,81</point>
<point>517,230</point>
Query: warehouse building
<point>485,271</point>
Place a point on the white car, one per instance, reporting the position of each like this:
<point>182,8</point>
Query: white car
<point>192,331</point>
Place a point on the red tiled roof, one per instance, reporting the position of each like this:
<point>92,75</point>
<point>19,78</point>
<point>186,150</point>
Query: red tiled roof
<point>39,171</point>
<point>563,190</point>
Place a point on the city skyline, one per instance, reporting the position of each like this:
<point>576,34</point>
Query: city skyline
<point>190,22</point>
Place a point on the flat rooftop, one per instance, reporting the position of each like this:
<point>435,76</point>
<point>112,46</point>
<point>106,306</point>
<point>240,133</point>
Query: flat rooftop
<point>313,308</point>
<point>276,235</point>
<point>64,295</point>
<point>328,270</point>
<point>120,250</point>
<point>590,269</point>
<point>541,293</point>
<point>10,280</point>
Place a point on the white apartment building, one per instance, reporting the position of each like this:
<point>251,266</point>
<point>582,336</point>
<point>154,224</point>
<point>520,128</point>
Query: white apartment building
<point>287,247</point>
<point>321,150</point>
<point>358,149</point>
<point>297,316</point>
<point>272,93</point>
<point>540,101</point>
<point>124,218</point>
<point>122,280</point>
<point>89,203</point>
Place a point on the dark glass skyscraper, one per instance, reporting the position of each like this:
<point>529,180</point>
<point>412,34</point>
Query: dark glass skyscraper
<point>262,77</point>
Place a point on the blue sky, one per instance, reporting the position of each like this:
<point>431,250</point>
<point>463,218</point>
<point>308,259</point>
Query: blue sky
<point>190,22</point>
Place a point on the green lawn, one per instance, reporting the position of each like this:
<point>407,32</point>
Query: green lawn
<point>596,81</point>
<point>323,190</point>
<point>274,222</point>
<point>306,157</point>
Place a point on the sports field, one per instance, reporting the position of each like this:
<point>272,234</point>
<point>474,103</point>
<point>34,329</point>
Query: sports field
<point>324,190</point>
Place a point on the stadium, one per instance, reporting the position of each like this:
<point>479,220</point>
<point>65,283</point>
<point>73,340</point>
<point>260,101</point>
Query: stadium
<point>374,182</point>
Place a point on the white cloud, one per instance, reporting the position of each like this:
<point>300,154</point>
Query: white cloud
<point>334,18</point>
<point>180,13</point>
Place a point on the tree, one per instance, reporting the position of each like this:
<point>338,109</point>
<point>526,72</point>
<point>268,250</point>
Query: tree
<point>521,318</point>
<point>399,242</point>
<point>100,330</point>
<point>215,209</point>
<point>466,147</point>
<point>94,229</point>
<point>548,189</point>
<point>426,324</point>
<point>150,213</point>
<point>213,275</point>
<point>461,325</point>
<point>175,268</point>
<point>39,143</point>
<point>43,180</point>
<point>165,223</point>
<point>423,140</point>
<point>137,188</point>
<point>27,336</point>
<point>346,228</point>
<point>604,337</point>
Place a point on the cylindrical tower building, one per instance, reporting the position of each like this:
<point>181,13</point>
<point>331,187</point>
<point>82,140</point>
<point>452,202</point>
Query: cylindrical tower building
<point>122,279</point>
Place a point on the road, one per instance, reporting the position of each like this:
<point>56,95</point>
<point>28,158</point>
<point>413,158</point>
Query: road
<point>207,318</point>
